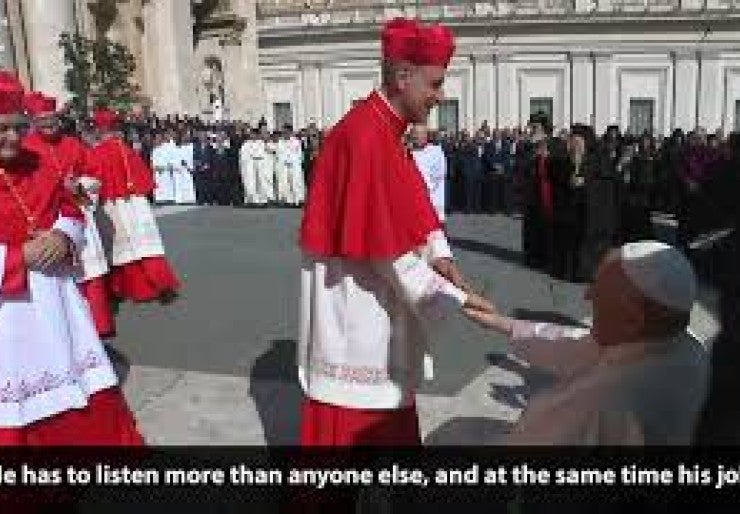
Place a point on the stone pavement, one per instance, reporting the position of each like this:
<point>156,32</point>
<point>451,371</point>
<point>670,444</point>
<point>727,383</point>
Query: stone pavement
<point>217,367</point>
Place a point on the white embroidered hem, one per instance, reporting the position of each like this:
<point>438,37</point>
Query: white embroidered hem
<point>353,395</point>
<point>58,400</point>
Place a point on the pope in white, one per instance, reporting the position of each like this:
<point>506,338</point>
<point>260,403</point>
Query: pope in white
<point>637,378</point>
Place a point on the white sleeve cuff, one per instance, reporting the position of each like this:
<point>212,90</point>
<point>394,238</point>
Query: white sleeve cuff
<point>456,294</point>
<point>439,248</point>
<point>73,229</point>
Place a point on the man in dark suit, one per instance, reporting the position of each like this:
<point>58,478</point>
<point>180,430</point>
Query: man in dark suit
<point>496,153</point>
<point>201,174</point>
<point>470,163</point>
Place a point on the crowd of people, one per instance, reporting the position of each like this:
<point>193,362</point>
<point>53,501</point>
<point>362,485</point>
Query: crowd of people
<point>226,163</point>
<point>578,194</point>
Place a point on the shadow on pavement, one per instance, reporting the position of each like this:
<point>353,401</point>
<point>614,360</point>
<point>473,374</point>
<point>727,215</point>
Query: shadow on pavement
<point>274,387</point>
<point>497,252</point>
<point>469,432</point>
<point>547,317</point>
<point>121,364</point>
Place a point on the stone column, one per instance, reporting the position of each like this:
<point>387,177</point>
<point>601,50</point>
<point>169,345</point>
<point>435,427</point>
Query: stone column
<point>686,93</point>
<point>329,98</point>
<point>582,74</point>
<point>710,91</point>
<point>241,69</point>
<point>507,92</point>
<point>485,91</point>
<point>311,94</point>
<point>169,24</point>
<point>234,84</point>
<point>44,22</point>
<point>604,114</point>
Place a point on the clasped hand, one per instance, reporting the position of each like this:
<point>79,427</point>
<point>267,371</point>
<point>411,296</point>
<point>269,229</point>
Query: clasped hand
<point>476,307</point>
<point>46,250</point>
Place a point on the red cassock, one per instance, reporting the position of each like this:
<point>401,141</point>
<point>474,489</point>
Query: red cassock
<point>368,201</point>
<point>365,206</point>
<point>32,197</point>
<point>124,175</point>
<point>69,158</point>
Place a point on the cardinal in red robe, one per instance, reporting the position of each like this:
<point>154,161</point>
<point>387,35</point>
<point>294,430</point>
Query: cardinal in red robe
<point>376,263</point>
<point>57,385</point>
<point>140,271</point>
<point>68,157</point>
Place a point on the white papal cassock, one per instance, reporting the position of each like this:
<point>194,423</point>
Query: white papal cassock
<point>629,394</point>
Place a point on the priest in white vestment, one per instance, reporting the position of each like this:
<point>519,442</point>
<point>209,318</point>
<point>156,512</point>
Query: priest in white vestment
<point>282,170</point>
<point>248,170</point>
<point>162,156</point>
<point>295,176</point>
<point>183,166</point>
<point>266,167</point>
<point>264,170</point>
<point>637,378</point>
<point>432,163</point>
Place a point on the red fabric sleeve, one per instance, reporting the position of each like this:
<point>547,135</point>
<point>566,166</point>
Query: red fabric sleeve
<point>15,275</point>
<point>89,166</point>
<point>69,207</point>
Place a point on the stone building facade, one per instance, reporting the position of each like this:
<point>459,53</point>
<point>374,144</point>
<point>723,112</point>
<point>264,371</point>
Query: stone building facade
<point>640,64</point>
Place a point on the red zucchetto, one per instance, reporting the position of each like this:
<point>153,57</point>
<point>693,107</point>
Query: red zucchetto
<point>36,104</point>
<point>11,94</point>
<point>410,41</point>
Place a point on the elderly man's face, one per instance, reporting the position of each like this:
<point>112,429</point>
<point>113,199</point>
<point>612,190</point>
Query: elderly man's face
<point>421,89</point>
<point>11,126</point>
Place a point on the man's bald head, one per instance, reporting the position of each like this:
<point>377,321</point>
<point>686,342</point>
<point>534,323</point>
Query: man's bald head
<point>642,291</point>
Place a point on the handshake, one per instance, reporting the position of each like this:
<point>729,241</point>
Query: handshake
<point>46,250</point>
<point>476,307</point>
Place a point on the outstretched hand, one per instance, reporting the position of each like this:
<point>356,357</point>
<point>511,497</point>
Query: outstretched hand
<point>491,319</point>
<point>449,270</point>
<point>477,303</point>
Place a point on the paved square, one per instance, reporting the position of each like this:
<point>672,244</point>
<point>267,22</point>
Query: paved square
<point>218,366</point>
